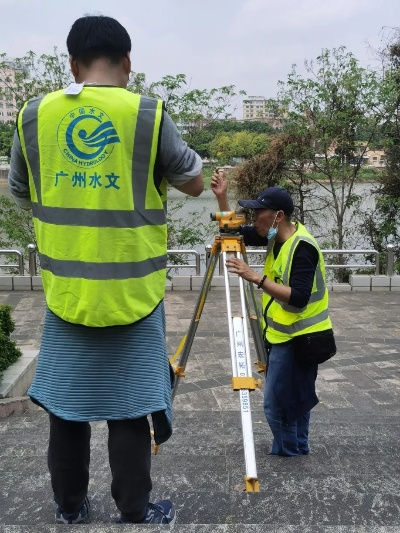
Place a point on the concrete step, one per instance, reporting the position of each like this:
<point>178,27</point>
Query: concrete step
<point>18,377</point>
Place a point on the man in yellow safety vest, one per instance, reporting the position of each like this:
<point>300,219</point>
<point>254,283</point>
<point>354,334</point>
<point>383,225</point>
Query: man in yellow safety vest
<point>93,161</point>
<point>294,303</point>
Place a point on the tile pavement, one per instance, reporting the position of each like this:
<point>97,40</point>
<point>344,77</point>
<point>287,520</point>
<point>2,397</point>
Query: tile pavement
<point>350,482</point>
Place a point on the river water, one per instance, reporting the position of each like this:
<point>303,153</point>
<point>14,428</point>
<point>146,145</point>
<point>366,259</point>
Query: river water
<point>196,211</point>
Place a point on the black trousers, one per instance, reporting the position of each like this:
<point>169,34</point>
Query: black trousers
<point>129,451</point>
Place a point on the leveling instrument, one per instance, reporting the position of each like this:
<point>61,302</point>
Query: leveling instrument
<point>229,242</point>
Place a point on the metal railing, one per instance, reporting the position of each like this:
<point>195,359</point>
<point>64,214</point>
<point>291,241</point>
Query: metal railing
<point>197,259</point>
<point>196,266</point>
<point>353,252</point>
<point>20,264</point>
<point>331,266</point>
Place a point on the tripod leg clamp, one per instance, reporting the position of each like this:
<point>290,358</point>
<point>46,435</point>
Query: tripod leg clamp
<point>261,367</point>
<point>179,371</point>
<point>247,383</point>
<point>251,484</point>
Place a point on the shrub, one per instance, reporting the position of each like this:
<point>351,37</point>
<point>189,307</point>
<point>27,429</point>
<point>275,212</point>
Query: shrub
<point>9,353</point>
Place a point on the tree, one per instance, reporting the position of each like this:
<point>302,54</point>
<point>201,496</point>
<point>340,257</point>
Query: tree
<point>6,138</point>
<point>206,136</point>
<point>193,110</point>
<point>9,352</point>
<point>34,75</point>
<point>382,226</point>
<point>320,156</point>
<point>17,229</point>
<point>243,144</point>
<point>221,148</point>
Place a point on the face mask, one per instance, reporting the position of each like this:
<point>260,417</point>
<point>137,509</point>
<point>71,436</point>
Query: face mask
<point>272,231</point>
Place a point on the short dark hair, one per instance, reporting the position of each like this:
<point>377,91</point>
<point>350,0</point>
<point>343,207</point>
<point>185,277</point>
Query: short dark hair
<point>95,36</point>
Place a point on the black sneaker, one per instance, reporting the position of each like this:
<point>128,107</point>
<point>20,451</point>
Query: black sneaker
<point>162,512</point>
<point>81,517</point>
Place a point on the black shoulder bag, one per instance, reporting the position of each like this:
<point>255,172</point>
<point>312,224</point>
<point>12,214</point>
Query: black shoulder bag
<point>314,348</point>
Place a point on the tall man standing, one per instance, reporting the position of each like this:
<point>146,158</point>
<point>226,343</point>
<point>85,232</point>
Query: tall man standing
<point>93,161</point>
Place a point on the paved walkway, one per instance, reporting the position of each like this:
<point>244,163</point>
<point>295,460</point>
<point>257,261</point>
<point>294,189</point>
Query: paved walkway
<point>349,483</point>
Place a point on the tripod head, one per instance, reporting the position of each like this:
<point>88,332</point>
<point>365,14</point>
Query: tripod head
<point>229,221</point>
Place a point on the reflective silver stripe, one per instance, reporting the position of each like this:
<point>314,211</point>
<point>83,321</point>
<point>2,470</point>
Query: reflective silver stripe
<point>318,294</point>
<point>102,271</point>
<point>98,218</point>
<point>300,325</point>
<point>142,150</point>
<point>290,308</point>
<point>31,140</point>
<point>296,240</point>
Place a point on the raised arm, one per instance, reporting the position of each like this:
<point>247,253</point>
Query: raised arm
<point>177,162</point>
<point>219,186</point>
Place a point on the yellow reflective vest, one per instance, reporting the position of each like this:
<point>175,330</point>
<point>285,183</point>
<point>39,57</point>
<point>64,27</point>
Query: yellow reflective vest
<point>282,321</point>
<point>99,216</point>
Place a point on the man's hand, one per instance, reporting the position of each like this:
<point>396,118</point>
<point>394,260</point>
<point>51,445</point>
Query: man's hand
<point>219,183</point>
<point>219,186</point>
<point>242,269</point>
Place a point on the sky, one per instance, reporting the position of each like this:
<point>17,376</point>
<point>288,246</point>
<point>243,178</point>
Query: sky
<point>251,44</point>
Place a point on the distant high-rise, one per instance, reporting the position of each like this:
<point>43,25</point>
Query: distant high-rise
<point>8,104</point>
<point>255,108</point>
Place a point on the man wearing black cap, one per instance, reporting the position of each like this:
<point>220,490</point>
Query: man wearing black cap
<point>294,302</point>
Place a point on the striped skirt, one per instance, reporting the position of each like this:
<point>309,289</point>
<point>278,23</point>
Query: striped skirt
<point>113,373</point>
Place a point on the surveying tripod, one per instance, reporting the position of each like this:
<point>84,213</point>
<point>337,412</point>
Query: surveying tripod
<point>230,242</point>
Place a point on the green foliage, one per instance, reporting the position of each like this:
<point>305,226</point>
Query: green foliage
<point>7,325</point>
<point>193,110</point>
<point>9,353</point>
<point>6,138</point>
<point>242,144</point>
<point>35,75</point>
<point>264,170</point>
<point>185,232</point>
<point>318,155</point>
<point>16,225</point>
<point>225,127</point>
<point>16,228</point>
<point>382,226</point>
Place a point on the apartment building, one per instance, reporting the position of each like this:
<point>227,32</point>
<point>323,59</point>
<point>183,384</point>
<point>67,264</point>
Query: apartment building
<point>254,108</point>
<point>8,105</point>
<point>375,158</point>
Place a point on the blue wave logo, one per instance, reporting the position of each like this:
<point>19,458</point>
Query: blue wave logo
<point>86,136</point>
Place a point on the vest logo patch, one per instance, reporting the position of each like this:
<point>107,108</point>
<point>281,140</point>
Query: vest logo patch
<point>86,136</point>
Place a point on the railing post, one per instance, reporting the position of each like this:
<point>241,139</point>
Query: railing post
<point>21,264</point>
<point>32,260</point>
<point>197,258</point>
<point>390,260</point>
<point>208,254</point>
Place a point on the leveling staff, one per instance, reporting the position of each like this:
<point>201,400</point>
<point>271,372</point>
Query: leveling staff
<point>294,301</point>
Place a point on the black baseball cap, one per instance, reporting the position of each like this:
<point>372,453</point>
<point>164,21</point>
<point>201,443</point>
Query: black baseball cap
<point>272,198</point>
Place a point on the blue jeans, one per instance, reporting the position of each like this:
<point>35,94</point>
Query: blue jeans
<point>288,389</point>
